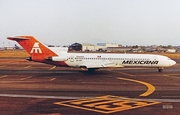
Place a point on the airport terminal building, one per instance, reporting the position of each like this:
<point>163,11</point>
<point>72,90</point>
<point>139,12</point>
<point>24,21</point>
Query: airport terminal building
<point>98,47</point>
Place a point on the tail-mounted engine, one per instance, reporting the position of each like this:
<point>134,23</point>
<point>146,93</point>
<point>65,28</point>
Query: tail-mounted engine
<point>58,58</point>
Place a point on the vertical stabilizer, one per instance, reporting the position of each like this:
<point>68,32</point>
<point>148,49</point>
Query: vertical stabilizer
<point>36,49</point>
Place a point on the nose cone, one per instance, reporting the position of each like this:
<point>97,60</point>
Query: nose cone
<point>172,62</point>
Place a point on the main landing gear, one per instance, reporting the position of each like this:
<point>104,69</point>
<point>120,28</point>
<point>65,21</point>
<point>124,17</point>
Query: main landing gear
<point>91,70</point>
<point>160,69</point>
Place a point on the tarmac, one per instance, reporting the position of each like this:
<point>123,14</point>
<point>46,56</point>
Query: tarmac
<point>30,88</point>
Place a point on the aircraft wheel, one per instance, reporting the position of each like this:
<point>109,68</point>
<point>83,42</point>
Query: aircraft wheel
<point>160,69</point>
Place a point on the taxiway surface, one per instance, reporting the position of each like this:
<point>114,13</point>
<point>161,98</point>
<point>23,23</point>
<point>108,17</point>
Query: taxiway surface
<point>30,88</point>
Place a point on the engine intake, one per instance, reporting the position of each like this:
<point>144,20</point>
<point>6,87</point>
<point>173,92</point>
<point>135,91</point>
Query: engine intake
<point>59,58</point>
<point>29,58</point>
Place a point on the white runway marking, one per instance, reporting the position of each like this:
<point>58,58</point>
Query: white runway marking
<point>39,96</point>
<point>165,100</point>
<point>3,76</point>
<point>27,67</point>
<point>2,66</point>
<point>52,68</point>
<point>26,78</point>
<point>52,79</point>
<point>66,97</point>
<point>171,96</point>
<point>126,74</point>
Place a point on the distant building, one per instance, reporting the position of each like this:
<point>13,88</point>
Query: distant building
<point>98,47</point>
<point>113,47</point>
<point>171,50</point>
<point>108,44</point>
<point>178,49</point>
<point>118,49</point>
<point>1,49</point>
<point>88,47</point>
<point>75,47</point>
<point>9,48</point>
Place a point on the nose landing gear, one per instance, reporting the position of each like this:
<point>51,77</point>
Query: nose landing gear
<point>160,69</point>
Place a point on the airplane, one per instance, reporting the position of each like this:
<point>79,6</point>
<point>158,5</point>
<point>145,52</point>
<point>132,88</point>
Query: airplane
<point>91,61</point>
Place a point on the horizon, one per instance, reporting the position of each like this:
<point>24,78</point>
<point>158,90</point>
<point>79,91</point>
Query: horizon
<point>16,43</point>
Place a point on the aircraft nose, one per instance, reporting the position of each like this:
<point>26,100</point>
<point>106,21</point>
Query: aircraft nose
<point>173,62</point>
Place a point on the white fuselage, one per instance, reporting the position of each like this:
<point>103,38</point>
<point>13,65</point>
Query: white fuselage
<point>100,60</point>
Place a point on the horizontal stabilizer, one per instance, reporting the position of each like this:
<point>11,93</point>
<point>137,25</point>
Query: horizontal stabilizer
<point>17,38</point>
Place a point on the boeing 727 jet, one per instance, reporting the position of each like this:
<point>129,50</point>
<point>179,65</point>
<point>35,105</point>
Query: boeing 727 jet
<point>92,61</point>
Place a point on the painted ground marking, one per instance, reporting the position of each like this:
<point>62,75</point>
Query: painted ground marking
<point>107,104</point>
<point>150,88</point>
<point>3,66</point>
<point>52,68</point>
<point>26,78</point>
<point>27,67</point>
<point>126,74</point>
<point>52,79</point>
<point>3,76</point>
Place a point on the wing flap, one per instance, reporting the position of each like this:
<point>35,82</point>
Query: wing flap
<point>102,65</point>
<point>91,65</point>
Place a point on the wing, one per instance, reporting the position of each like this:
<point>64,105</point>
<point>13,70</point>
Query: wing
<point>100,65</point>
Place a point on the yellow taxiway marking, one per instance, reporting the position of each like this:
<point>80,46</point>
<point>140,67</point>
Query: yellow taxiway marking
<point>26,78</point>
<point>3,76</point>
<point>150,87</point>
<point>52,68</point>
<point>52,79</point>
<point>107,104</point>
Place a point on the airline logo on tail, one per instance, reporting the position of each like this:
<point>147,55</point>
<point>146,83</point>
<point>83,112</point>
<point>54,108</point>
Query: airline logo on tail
<point>36,48</point>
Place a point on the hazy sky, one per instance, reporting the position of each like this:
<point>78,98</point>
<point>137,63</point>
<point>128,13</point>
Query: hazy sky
<point>63,22</point>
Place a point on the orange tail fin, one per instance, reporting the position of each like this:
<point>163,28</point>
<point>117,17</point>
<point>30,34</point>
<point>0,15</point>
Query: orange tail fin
<point>36,49</point>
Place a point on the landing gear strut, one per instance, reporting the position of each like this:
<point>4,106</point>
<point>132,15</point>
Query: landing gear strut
<point>160,69</point>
